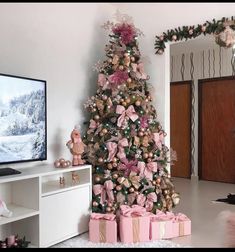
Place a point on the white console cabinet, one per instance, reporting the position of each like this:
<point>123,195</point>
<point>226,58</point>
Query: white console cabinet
<point>45,211</point>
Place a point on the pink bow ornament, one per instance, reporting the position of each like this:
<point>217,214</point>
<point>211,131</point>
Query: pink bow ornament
<point>107,188</point>
<point>139,70</point>
<point>135,180</point>
<point>129,113</point>
<point>133,211</point>
<point>99,216</point>
<point>128,166</point>
<point>113,147</point>
<point>146,170</point>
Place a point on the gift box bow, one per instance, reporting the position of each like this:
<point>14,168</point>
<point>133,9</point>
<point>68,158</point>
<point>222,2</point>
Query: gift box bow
<point>99,216</point>
<point>181,217</point>
<point>133,211</point>
<point>161,216</point>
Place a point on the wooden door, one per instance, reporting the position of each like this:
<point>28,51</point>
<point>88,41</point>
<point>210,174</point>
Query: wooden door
<point>217,129</point>
<point>180,130</point>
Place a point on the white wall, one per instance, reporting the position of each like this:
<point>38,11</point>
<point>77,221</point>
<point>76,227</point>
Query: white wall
<point>61,42</point>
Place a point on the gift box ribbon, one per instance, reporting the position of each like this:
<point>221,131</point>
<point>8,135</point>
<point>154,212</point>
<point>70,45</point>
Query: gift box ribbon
<point>99,216</point>
<point>133,211</point>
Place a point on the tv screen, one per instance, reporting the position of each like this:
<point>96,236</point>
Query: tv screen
<point>22,119</point>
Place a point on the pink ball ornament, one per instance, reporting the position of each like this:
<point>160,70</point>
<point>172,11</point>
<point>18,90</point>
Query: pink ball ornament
<point>203,28</point>
<point>174,37</point>
<point>57,163</point>
<point>160,51</point>
<point>161,38</point>
<point>190,32</point>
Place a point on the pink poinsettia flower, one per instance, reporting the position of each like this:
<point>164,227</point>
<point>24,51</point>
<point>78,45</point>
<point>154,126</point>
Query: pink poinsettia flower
<point>118,77</point>
<point>144,122</point>
<point>126,31</point>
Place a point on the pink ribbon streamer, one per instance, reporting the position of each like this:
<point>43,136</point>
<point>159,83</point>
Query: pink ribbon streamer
<point>134,210</point>
<point>146,170</point>
<point>112,148</point>
<point>93,124</point>
<point>151,197</point>
<point>103,190</point>
<point>99,216</point>
<point>130,113</point>
<point>102,81</point>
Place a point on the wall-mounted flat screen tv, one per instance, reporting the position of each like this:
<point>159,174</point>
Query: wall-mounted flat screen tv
<point>23,135</point>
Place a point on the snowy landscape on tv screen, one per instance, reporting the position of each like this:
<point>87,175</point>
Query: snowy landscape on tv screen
<point>22,120</point>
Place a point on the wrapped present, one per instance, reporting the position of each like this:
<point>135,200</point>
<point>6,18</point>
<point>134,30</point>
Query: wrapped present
<point>184,224</point>
<point>161,225</point>
<point>103,228</point>
<point>134,224</point>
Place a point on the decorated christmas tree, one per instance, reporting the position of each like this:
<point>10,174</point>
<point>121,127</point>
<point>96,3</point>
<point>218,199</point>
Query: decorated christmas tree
<point>125,141</point>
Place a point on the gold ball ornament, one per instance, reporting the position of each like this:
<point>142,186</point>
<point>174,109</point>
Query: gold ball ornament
<point>154,182</point>
<point>100,160</point>
<point>115,175</point>
<point>110,204</point>
<point>95,204</point>
<point>126,54</point>
<point>105,131</point>
<point>124,103</point>
<point>121,100</point>
<point>110,60</point>
<point>114,160</point>
<point>110,166</point>
<point>118,188</point>
<point>128,100</point>
<point>140,134</point>
<point>149,160</point>
<point>57,163</point>
<point>97,179</point>
<point>138,103</point>
<point>145,155</point>
<point>113,208</point>
<point>101,134</point>
<point>96,117</point>
<point>146,100</point>
<point>132,59</point>
<point>158,180</point>
<point>129,80</point>
<point>108,209</point>
<point>115,165</point>
<point>121,67</point>
<point>104,97</point>
<point>150,154</point>
<point>131,190</point>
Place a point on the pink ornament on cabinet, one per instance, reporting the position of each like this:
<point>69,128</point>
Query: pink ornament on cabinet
<point>76,147</point>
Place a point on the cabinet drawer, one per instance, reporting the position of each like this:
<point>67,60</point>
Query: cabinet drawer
<point>64,215</point>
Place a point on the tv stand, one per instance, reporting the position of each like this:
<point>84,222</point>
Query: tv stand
<point>45,211</point>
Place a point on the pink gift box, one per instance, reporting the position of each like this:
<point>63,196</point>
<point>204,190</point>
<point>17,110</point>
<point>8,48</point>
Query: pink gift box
<point>175,228</point>
<point>134,224</point>
<point>103,228</point>
<point>161,226</point>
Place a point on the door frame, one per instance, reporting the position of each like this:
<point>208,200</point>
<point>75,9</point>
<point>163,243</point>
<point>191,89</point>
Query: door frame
<point>200,140</point>
<point>189,82</point>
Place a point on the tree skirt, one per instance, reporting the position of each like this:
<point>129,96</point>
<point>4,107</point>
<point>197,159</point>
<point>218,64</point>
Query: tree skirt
<point>82,241</point>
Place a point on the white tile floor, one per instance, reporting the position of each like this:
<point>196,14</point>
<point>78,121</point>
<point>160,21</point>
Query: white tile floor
<point>196,202</point>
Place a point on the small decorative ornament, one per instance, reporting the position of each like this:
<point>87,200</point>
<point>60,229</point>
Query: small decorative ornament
<point>115,175</point>
<point>62,163</point>
<point>95,204</point>
<point>138,103</point>
<point>174,37</point>
<point>190,32</point>
<point>62,181</point>
<point>226,38</point>
<point>203,29</point>
<point>160,51</point>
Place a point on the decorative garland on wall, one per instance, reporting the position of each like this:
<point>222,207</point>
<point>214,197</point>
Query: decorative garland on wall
<point>223,30</point>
